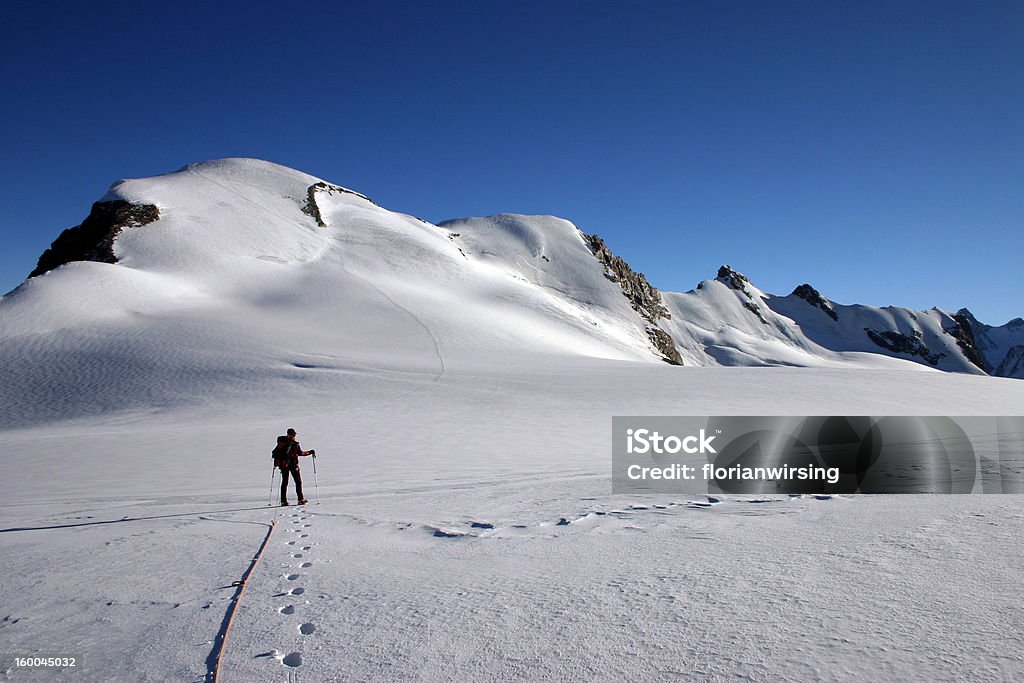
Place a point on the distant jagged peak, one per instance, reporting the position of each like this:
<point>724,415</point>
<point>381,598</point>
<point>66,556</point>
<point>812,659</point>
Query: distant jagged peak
<point>809,293</point>
<point>737,281</point>
<point>967,316</point>
<point>814,298</point>
<point>734,279</point>
<point>964,329</point>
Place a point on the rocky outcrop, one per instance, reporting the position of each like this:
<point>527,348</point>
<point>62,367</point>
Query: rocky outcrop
<point>963,332</point>
<point>663,344</point>
<point>901,343</point>
<point>734,279</point>
<point>739,282</point>
<point>93,240</point>
<point>814,298</point>
<point>312,209</point>
<point>993,349</point>
<point>643,297</point>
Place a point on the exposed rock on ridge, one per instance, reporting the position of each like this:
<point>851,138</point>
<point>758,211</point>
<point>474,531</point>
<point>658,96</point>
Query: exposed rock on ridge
<point>663,343</point>
<point>93,239</point>
<point>739,282</point>
<point>643,297</point>
<point>901,343</point>
<point>997,347</point>
<point>310,208</point>
<point>963,332</point>
<point>814,298</point>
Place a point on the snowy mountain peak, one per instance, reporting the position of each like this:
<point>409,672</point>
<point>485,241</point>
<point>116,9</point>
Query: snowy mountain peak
<point>236,272</point>
<point>814,298</point>
<point>967,316</point>
<point>752,297</point>
<point>733,278</point>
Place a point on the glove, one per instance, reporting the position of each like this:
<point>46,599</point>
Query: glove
<point>312,452</point>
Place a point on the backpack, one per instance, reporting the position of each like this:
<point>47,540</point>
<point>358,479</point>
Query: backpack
<point>280,453</point>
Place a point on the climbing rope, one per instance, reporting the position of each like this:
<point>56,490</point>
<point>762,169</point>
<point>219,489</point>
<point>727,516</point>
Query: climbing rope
<point>212,676</point>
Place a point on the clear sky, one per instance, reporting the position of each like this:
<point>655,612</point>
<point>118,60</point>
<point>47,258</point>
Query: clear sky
<point>873,149</point>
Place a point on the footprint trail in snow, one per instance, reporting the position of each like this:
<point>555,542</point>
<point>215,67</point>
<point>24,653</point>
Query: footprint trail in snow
<point>296,560</point>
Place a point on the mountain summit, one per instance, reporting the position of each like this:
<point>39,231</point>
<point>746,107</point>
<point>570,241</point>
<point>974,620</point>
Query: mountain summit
<point>236,270</point>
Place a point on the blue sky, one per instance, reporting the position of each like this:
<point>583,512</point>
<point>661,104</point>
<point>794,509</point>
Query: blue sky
<point>873,149</point>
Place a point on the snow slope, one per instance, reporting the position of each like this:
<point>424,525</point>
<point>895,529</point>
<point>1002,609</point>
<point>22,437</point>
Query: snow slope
<point>466,531</point>
<point>459,391</point>
<point>252,291</point>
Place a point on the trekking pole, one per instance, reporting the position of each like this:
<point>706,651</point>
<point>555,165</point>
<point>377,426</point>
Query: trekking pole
<point>316,485</point>
<point>270,501</point>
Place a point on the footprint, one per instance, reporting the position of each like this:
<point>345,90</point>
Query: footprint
<point>287,609</point>
<point>441,533</point>
<point>307,547</point>
<point>306,565</point>
<point>304,536</point>
<point>307,629</point>
<point>293,577</point>
<point>293,660</point>
<point>297,591</point>
<point>296,555</point>
<point>290,543</point>
<point>307,525</point>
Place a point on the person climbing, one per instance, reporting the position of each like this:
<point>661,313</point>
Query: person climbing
<point>286,457</point>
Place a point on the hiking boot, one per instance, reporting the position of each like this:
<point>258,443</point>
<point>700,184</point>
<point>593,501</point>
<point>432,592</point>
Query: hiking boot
<point>303,501</point>
<point>284,503</point>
